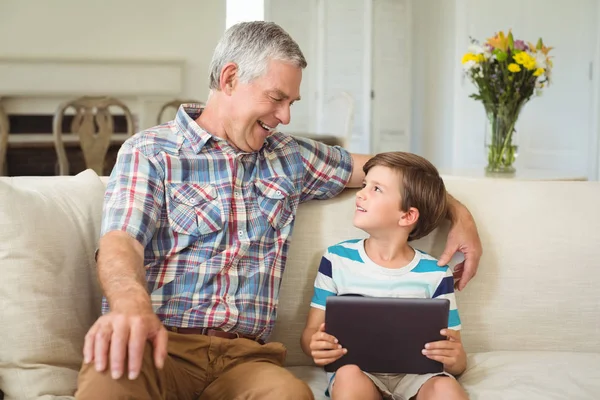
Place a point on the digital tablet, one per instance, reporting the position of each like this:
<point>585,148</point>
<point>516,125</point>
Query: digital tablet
<point>386,335</point>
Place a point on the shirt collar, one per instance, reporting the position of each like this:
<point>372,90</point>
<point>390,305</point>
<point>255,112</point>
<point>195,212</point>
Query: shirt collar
<point>186,123</point>
<point>198,137</point>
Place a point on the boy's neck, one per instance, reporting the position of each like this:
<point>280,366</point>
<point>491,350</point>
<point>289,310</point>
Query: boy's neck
<point>389,251</point>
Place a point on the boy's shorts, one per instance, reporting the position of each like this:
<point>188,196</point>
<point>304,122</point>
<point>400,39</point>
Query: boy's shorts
<point>397,386</point>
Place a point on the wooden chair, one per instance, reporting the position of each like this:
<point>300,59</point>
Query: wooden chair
<point>173,104</point>
<point>4,130</point>
<point>93,124</point>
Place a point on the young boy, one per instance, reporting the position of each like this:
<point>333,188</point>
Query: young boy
<point>403,198</point>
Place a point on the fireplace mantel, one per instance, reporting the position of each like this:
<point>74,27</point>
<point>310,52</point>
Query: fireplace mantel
<point>38,85</point>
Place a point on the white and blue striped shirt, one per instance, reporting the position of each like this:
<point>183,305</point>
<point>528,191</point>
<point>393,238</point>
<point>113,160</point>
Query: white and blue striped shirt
<point>346,269</point>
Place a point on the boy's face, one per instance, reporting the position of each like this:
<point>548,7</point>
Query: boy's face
<point>378,202</point>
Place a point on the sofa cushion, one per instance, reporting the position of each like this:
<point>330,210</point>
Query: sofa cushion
<point>532,375</point>
<point>514,375</point>
<point>48,292</point>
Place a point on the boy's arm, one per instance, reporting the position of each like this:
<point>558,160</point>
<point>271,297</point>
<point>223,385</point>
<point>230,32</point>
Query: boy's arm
<point>450,352</point>
<point>459,359</point>
<point>316,317</point>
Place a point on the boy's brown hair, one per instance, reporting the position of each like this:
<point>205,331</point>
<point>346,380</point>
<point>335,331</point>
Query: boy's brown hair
<point>421,188</point>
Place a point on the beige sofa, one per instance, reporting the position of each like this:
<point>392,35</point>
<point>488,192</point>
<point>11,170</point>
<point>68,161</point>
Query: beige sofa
<point>531,317</point>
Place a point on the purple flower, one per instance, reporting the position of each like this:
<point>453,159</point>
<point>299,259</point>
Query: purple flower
<point>520,45</point>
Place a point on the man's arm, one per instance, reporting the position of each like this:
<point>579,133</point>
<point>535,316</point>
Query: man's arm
<point>121,272</point>
<point>463,237</point>
<point>133,202</point>
<point>131,320</point>
<point>358,175</point>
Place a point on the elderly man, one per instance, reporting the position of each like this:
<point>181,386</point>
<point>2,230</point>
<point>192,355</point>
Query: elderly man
<point>196,227</point>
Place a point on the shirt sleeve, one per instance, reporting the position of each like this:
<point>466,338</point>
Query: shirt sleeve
<point>327,169</point>
<point>324,284</point>
<point>445,290</point>
<point>134,195</point>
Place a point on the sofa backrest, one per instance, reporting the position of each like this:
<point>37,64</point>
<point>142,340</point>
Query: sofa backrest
<point>536,288</point>
<point>537,283</point>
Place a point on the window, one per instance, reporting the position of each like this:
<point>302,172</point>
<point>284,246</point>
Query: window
<point>244,10</point>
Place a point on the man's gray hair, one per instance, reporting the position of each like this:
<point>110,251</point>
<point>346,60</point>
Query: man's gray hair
<point>251,45</point>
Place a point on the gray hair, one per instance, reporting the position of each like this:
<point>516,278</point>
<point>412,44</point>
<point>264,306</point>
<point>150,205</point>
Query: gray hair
<point>251,45</point>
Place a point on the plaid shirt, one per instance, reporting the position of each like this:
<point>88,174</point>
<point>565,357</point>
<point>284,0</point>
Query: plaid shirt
<point>215,223</point>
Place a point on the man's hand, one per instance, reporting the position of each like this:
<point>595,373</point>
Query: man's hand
<point>325,348</point>
<point>462,237</point>
<point>117,335</point>
<point>449,352</point>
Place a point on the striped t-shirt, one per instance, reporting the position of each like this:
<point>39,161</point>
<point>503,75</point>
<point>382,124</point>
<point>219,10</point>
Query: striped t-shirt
<point>346,269</point>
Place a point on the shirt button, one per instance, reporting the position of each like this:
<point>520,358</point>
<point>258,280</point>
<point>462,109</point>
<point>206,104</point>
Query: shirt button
<point>193,200</point>
<point>241,233</point>
<point>278,192</point>
<point>237,194</point>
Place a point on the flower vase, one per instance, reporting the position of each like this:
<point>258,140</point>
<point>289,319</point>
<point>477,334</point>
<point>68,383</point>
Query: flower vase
<point>500,142</point>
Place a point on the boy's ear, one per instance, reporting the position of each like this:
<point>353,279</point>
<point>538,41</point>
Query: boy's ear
<point>409,217</point>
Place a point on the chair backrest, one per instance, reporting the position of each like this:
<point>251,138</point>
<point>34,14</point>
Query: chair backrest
<point>4,130</point>
<point>160,118</point>
<point>93,124</point>
<point>339,117</point>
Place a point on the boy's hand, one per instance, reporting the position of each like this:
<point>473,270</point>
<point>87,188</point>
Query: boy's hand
<point>449,352</point>
<point>325,348</point>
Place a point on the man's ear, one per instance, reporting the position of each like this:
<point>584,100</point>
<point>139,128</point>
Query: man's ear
<point>228,78</point>
<point>409,217</point>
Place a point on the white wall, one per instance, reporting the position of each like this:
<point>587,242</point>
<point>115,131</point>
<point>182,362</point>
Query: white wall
<point>434,67</point>
<point>298,18</point>
<point>178,29</point>
<point>555,132</point>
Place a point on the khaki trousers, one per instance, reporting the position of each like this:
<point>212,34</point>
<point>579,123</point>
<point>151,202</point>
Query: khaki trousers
<point>200,367</point>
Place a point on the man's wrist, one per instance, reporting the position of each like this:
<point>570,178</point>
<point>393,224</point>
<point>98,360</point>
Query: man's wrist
<point>132,301</point>
<point>454,209</point>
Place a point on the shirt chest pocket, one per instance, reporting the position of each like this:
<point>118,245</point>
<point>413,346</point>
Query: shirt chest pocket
<point>193,209</point>
<point>275,200</point>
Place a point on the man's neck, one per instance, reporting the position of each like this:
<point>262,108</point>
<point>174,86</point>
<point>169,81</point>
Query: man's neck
<point>209,120</point>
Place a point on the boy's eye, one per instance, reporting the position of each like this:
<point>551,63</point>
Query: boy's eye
<point>377,189</point>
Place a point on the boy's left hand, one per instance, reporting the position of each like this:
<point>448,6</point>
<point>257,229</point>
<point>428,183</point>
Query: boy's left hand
<point>449,352</point>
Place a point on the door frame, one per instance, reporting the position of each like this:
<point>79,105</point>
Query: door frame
<point>594,153</point>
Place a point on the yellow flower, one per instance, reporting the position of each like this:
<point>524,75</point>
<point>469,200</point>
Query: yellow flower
<point>478,58</point>
<point>525,60</point>
<point>514,67</point>
<point>538,72</point>
<point>468,57</point>
<point>530,65</point>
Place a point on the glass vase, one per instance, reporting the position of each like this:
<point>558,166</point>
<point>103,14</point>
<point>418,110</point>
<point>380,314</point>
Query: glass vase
<point>501,142</point>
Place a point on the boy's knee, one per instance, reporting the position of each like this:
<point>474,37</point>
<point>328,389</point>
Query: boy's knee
<point>348,373</point>
<point>444,387</point>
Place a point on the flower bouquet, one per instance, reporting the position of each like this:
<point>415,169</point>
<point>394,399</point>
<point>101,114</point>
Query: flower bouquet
<point>506,73</point>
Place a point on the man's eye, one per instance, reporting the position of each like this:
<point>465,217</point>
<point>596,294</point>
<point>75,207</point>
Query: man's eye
<point>276,99</point>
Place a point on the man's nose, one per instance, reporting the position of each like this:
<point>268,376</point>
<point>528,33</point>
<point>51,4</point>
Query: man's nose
<point>284,114</point>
